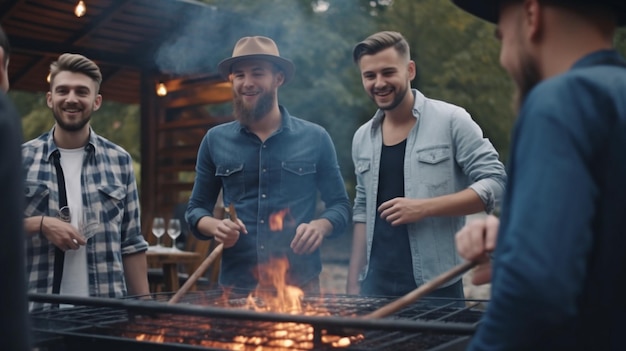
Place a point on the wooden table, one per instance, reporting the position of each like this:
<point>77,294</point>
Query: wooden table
<point>169,259</point>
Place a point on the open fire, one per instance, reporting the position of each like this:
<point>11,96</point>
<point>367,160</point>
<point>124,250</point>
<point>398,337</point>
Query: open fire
<point>273,294</point>
<point>275,317</point>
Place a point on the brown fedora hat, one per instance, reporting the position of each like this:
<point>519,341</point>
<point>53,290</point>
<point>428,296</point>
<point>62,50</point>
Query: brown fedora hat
<point>489,10</point>
<point>257,47</point>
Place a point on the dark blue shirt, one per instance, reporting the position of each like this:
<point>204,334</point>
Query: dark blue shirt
<point>262,178</point>
<point>560,266</point>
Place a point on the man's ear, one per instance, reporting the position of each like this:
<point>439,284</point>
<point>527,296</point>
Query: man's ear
<point>412,70</point>
<point>97,102</point>
<point>533,18</point>
<point>280,78</point>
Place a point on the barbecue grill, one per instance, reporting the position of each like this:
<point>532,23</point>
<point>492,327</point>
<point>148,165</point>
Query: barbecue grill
<point>213,320</point>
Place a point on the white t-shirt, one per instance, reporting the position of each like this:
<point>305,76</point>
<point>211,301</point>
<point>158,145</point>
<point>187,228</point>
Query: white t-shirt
<point>75,277</point>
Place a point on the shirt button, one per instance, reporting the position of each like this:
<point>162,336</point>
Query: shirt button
<point>264,146</point>
<point>262,221</point>
<point>300,169</point>
<point>262,247</point>
<point>263,196</point>
<point>264,170</point>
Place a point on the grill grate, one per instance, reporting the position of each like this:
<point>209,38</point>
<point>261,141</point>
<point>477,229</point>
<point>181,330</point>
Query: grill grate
<point>210,321</point>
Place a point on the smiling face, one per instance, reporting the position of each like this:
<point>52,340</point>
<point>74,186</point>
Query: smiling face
<point>255,86</point>
<point>73,97</point>
<point>386,77</point>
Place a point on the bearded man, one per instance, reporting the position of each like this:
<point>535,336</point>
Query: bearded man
<point>559,265</point>
<point>266,162</point>
<point>82,220</point>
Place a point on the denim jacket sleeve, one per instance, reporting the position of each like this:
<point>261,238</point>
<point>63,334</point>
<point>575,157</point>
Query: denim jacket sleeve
<point>332,188</point>
<point>206,188</point>
<point>478,159</point>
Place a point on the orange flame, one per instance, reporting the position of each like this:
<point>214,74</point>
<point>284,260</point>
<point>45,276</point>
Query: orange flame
<point>277,220</point>
<point>273,294</point>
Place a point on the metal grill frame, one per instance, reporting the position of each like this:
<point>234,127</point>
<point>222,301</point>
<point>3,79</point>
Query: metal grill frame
<point>92,315</point>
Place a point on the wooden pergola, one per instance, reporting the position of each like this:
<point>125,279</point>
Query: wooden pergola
<point>126,39</point>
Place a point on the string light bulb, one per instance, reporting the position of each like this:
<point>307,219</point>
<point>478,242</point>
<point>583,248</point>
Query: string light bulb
<point>161,89</point>
<point>80,10</point>
<point>48,77</point>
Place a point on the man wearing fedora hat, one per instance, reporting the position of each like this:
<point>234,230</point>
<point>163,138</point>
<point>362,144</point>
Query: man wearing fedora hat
<point>267,162</point>
<point>559,265</point>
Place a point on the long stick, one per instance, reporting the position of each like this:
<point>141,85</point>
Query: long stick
<point>204,265</point>
<point>422,290</point>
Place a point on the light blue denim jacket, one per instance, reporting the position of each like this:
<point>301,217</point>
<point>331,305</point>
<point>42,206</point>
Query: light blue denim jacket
<point>445,153</point>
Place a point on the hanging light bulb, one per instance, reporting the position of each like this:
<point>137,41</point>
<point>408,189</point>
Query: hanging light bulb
<point>48,78</point>
<point>161,89</point>
<point>80,9</point>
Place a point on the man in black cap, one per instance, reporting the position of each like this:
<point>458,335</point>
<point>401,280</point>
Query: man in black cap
<point>559,266</point>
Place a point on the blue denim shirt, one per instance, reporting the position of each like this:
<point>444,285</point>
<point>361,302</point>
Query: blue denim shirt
<point>261,178</point>
<point>559,264</point>
<point>445,153</point>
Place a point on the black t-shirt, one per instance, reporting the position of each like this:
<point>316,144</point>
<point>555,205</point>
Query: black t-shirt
<point>390,247</point>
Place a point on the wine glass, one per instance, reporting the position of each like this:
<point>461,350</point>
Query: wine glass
<point>90,223</point>
<point>173,230</point>
<point>158,229</point>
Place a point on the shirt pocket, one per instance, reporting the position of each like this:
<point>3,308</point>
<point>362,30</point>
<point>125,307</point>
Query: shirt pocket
<point>232,180</point>
<point>297,176</point>
<point>113,203</point>
<point>37,196</point>
<point>363,172</point>
<point>434,168</point>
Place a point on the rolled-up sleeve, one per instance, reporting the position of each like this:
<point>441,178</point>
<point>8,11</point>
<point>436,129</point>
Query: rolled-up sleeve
<point>479,160</point>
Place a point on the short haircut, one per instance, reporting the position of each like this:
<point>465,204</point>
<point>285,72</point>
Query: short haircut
<point>380,41</point>
<point>77,64</point>
<point>4,44</point>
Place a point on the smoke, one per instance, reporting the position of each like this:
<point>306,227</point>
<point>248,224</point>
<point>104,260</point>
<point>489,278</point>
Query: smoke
<point>199,43</point>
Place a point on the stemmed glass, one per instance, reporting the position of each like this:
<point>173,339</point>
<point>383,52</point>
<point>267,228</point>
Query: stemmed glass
<point>158,229</point>
<point>173,230</point>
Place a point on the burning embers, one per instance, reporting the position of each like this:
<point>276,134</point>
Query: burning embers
<point>274,295</point>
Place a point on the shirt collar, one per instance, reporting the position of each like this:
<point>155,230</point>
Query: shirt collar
<point>418,106</point>
<point>51,146</point>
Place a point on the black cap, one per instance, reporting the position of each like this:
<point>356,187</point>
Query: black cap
<point>489,10</point>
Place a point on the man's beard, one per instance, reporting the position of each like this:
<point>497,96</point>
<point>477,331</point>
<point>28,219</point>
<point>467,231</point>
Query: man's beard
<point>246,114</point>
<point>528,77</point>
<point>71,127</point>
<point>397,100</point>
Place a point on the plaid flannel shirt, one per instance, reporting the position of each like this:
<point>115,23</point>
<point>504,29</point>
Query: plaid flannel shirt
<point>109,187</point>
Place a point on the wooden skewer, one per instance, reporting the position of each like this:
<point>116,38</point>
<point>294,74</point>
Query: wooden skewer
<point>422,290</point>
<point>204,265</point>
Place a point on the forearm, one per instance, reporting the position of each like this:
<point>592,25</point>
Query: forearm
<point>358,258</point>
<point>32,225</point>
<point>136,273</point>
<point>462,203</point>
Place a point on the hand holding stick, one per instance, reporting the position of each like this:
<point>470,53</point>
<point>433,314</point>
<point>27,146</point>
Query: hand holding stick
<point>204,265</point>
<point>422,290</point>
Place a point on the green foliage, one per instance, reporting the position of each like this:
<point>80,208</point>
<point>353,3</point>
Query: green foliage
<point>456,55</point>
